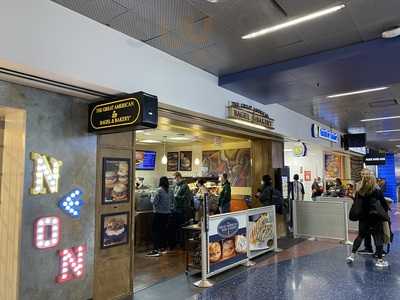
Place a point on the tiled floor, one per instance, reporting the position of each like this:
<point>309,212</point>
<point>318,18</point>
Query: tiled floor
<point>305,270</point>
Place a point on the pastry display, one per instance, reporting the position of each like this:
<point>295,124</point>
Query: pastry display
<point>240,244</point>
<point>228,249</point>
<point>215,251</point>
<point>120,192</point>
<point>261,230</point>
<point>110,179</point>
<point>123,173</point>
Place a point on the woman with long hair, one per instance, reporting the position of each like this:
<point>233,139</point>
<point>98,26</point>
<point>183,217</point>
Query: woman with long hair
<point>162,209</point>
<point>371,217</point>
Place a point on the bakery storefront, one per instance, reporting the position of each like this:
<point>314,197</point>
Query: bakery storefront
<point>130,164</point>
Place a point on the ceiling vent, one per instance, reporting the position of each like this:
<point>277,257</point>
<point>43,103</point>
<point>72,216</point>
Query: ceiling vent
<point>383,103</point>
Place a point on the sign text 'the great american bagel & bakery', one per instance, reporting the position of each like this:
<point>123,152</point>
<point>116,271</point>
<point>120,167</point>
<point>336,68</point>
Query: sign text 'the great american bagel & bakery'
<point>127,113</point>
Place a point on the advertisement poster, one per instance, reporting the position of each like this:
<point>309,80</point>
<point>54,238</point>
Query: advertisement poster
<point>333,166</point>
<point>185,161</point>
<point>227,241</point>
<point>307,175</point>
<point>116,183</point>
<point>235,163</point>
<point>173,161</point>
<point>261,232</point>
<point>114,229</point>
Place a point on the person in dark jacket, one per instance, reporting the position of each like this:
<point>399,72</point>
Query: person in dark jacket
<point>265,192</point>
<point>370,220</point>
<point>182,210</point>
<point>162,209</point>
<point>225,196</point>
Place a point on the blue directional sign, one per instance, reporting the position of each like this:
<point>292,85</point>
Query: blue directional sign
<point>72,203</point>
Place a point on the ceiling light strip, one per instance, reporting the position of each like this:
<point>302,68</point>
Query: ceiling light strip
<point>381,118</point>
<point>359,92</point>
<point>387,131</point>
<point>294,22</point>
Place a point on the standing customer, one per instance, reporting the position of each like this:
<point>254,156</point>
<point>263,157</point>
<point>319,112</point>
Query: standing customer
<point>225,195</point>
<point>162,209</point>
<point>317,188</point>
<point>297,189</point>
<point>373,213</point>
<point>182,210</point>
<point>266,191</point>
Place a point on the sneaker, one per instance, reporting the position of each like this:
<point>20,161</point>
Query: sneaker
<point>366,252</point>
<point>382,263</point>
<point>153,253</point>
<point>383,254</point>
<point>163,251</point>
<point>350,259</point>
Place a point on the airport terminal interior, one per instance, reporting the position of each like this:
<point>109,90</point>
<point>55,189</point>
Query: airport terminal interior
<point>199,149</point>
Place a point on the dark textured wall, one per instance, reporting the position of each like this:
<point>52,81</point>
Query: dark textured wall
<point>56,125</point>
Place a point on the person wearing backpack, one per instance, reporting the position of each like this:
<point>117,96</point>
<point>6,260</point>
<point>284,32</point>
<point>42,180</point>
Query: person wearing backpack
<point>371,210</point>
<point>296,189</point>
<point>224,201</point>
<point>266,191</point>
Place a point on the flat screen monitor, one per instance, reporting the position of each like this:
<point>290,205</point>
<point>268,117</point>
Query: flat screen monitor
<point>145,160</point>
<point>355,140</point>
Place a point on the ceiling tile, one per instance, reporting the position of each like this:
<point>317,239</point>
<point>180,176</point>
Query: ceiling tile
<point>102,11</point>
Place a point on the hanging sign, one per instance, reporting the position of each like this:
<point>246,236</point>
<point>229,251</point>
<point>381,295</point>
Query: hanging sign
<point>248,114</point>
<point>135,111</point>
<point>324,133</point>
<point>300,150</point>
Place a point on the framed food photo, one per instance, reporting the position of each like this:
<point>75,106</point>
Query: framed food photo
<point>185,161</point>
<point>114,229</point>
<point>115,180</point>
<point>173,161</point>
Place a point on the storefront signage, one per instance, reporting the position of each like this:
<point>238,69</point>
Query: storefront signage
<point>307,175</point>
<point>250,115</point>
<point>228,227</point>
<point>300,150</point>
<point>72,203</point>
<point>324,133</point>
<point>71,265</point>
<point>374,157</point>
<point>46,174</point>
<point>127,114</point>
<point>47,232</point>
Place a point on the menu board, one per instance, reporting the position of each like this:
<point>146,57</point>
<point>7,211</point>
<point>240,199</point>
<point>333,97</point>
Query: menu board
<point>145,160</point>
<point>227,241</point>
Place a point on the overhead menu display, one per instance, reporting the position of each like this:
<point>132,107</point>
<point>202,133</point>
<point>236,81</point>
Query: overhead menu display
<point>145,160</point>
<point>374,157</point>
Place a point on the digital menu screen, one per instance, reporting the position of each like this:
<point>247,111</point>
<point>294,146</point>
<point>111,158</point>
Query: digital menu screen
<point>145,160</point>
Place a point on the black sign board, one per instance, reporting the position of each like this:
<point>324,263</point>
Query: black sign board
<point>374,157</point>
<point>127,113</point>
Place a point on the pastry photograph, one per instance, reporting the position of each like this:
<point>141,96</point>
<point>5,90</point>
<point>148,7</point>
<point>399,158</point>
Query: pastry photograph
<point>116,183</point>
<point>260,230</point>
<point>215,252</point>
<point>228,249</point>
<point>114,229</point>
<point>185,161</point>
<point>240,244</point>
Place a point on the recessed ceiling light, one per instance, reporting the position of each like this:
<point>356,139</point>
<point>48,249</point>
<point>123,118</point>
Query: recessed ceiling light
<point>389,130</point>
<point>150,141</point>
<point>382,118</point>
<point>293,22</point>
<point>212,1</point>
<point>359,92</point>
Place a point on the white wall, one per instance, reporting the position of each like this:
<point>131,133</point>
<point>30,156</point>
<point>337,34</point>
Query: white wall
<point>313,161</point>
<point>40,37</point>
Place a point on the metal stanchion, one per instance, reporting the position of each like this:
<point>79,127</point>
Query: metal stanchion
<point>346,227</point>
<point>204,282</point>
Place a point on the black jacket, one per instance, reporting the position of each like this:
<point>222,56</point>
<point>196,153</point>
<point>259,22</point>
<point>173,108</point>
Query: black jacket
<point>266,195</point>
<point>369,203</point>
